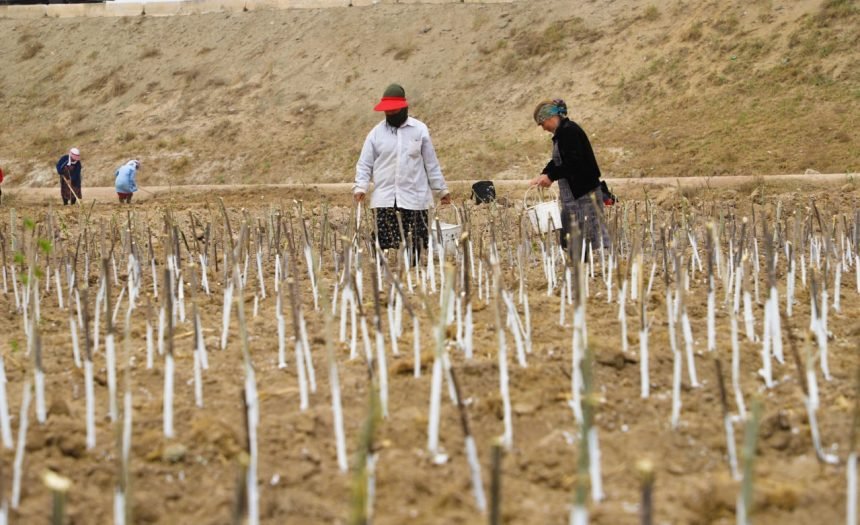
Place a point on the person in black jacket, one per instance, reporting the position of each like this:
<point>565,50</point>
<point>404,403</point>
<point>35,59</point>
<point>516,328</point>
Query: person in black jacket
<point>69,168</point>
<point>574,167</point>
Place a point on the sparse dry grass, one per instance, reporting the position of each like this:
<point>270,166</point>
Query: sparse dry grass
<point>110,84</point>
<point>306,113</point>
<point>836,10</point>
<point>59,72</point>
<point>490,159</point>
<point>188,74</point>
<point>224,130</point>
<point>243,88</point>
<point>8,199</point>
<point>150,52</point>
<point>46,138</point>
<point>116,88</point>
<point>82,132</point>
<point>651,13</point>
<point>727,25</point>
<point>100,82</point>
<point>269,70</point>
<point>693,34</point>
<point>754,48</point>
<point>556,37</point>
<point>400,50</point>
<point>180,165</point>
<point>31,49</point>
<point>216,82</point>
<point>509,62</point>
<point>51,99</point>
<point>480,20</point>
<point>493,47</point>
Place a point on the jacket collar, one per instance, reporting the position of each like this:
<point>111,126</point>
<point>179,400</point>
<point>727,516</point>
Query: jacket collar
<point>564,124</point>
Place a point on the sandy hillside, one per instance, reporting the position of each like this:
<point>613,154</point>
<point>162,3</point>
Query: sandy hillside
<point>680,88</point>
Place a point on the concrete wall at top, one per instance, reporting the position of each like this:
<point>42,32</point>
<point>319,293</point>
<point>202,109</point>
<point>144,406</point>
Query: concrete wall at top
<point>190,7</point>
<point>26,11</point>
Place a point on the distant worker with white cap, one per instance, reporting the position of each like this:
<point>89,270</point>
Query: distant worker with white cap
<point>69,167</point>
<point>125,183</point>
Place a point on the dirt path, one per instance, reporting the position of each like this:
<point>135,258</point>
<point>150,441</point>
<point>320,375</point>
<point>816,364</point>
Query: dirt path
<point>45,195</point>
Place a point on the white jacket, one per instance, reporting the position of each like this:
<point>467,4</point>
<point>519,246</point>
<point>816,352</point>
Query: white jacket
<point>402,166</point>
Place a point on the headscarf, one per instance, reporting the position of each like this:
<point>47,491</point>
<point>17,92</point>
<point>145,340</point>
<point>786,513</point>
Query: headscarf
<point>74,156</point>
<point>548,109</point>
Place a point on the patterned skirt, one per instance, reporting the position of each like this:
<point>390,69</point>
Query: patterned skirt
<point>414,223</point>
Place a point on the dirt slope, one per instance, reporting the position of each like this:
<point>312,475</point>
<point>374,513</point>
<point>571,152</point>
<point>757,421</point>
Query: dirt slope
<point>680,88</point>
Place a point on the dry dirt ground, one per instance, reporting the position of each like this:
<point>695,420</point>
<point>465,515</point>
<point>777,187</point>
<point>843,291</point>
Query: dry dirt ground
<point>192,478</point>
<point>674,88</point>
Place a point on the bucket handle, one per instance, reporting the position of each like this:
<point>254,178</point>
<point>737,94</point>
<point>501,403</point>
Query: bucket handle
<point>442,208</point>
<point>541,192</point>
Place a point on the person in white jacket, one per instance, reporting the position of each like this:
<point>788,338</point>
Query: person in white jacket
<point>126,180</point>
<point>398,157</point>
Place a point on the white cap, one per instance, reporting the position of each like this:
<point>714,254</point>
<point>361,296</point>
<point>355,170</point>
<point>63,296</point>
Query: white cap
<point>75,152</point>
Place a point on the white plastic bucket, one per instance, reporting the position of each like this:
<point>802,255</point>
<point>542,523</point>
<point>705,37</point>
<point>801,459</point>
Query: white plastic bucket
<point>545,216</point>
<point>450,235</point>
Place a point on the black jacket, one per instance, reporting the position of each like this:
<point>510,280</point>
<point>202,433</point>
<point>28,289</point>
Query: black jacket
<point>73,172</point>
<point>575,160</point>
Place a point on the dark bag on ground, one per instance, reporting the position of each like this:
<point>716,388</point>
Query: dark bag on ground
<point>483,191</point>
<point>609,198</point>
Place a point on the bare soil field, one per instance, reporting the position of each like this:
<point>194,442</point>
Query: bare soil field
<point>194,476</point>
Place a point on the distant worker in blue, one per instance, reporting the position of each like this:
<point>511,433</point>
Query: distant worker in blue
<point>126,180</point>
<point>69,168</point>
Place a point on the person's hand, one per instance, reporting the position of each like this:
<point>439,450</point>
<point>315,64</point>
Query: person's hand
<point>358,197</point>
<point>446,199</point>
<point>542,181</point>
